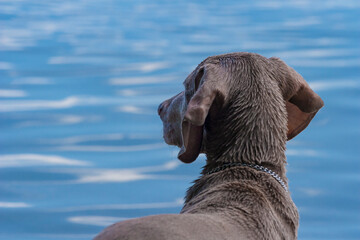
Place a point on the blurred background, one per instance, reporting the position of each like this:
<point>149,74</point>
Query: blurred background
<point>80,81</point>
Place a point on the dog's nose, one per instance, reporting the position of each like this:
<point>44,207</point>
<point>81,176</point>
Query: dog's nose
<point>160,108</point>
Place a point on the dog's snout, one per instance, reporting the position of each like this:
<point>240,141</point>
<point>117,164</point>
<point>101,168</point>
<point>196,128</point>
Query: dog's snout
<point>160,108</point>
<point>165,104</point>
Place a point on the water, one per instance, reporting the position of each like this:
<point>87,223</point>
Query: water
<point>80,81</point>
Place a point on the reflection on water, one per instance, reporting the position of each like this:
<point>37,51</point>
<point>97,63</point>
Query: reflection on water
<point>13,205</point>
<point>80,82</point>
<point>101,221</point>
<point>22,160</point>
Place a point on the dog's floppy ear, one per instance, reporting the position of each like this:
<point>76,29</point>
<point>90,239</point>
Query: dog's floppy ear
<point>197,110</point>
<point>301,104</point>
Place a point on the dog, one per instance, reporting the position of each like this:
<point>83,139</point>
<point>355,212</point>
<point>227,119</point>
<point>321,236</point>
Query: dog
<point>239,109</point>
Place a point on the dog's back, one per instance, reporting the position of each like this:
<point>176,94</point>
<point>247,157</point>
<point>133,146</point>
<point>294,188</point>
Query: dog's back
<point>175,227</point>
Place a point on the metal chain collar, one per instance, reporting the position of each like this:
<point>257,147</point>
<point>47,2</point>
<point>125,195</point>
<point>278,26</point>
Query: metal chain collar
<point>254,166</point>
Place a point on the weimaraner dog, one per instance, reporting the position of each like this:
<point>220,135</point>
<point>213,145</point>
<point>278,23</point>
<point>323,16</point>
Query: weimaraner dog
<point>239,109</point>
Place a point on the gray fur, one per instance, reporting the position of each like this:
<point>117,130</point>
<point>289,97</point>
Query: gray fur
<point>246,106</point>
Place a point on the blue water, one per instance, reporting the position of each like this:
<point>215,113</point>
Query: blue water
<point>80,141</point>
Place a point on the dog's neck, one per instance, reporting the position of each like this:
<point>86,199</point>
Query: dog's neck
<point>251,131</point>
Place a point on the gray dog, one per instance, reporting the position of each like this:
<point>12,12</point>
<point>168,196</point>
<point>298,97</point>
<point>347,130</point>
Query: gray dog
<point>239,109</point>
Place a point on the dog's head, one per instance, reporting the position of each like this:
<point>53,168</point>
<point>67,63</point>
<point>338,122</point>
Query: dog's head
<point>213,85</point>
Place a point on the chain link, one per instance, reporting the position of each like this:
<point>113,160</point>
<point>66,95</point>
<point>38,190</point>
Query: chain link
<point>255,166</point>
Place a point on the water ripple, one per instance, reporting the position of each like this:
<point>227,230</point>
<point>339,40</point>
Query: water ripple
<point>101,221</point>
<point>14,205</point>
<point>23,160</point>
<point>105,148</point>
<point>10,93</point>
<point>126,206</point>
